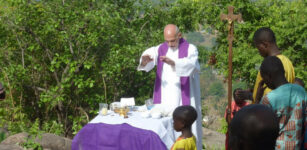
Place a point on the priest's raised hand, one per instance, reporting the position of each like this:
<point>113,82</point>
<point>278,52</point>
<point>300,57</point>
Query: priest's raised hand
<point>167,60</point>
<point>145,60</point>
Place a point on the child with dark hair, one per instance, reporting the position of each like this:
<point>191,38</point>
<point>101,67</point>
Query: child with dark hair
<point>287,100</point>
<point>236,105</point>
<point>183,117</point>
<point>254,127</point>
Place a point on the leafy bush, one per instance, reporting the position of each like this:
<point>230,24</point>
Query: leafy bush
<point>224,126</point>
<point>61,58</point>
<point>217,89</point>
<point>195,37</point>
<point>286,18</point>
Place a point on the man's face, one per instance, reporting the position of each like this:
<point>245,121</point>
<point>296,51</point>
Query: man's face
<point>262,49</point>
<point>172,40</point>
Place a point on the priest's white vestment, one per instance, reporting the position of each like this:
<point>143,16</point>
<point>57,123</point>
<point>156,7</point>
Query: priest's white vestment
<point>170,82</point>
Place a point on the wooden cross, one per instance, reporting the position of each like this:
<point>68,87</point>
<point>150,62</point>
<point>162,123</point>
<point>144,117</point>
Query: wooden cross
<point>230,17</point>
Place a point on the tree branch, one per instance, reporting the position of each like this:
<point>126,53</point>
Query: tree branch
<point>84,112</point>
<point>29,30</point>
<point>143,27</point>
<point>22,51</point>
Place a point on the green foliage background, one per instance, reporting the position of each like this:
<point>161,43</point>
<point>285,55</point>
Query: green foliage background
<point>286,18</point>
<point>60,58</point>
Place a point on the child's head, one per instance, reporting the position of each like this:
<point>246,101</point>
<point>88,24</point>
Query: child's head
<point>183,117</point>
<point>254,127</point>
<point>299,82</point>
<point>237,100</point>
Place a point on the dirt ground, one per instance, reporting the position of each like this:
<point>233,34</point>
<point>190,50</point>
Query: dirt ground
<point>213,140</point>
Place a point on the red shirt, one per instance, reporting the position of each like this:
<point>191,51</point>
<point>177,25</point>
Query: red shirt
<point>235,108</point>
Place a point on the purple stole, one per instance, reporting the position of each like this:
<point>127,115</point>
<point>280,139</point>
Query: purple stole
<point>184,81</point>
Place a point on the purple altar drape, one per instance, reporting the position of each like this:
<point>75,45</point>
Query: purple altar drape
<point>100,136</point>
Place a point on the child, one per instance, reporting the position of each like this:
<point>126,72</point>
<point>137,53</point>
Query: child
<point>287,100</point>
<point>236,105</point>
<point>183,117</point>
<point>254,127</point>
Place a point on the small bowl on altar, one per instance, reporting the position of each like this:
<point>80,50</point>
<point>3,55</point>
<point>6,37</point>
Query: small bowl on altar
<point>123,111</point>
<point>114,106</point>
<point>116,110</point>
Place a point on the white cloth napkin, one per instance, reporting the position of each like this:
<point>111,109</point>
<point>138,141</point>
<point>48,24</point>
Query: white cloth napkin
<point>127,102</point>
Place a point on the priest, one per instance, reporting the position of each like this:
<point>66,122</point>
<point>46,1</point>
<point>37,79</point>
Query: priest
<point>177,78</point>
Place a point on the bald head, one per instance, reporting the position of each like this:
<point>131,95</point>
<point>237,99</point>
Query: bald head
<point>172,35</point>
<point>171,30</point>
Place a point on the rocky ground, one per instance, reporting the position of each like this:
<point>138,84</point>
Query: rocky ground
<point>47,141</point>
<point>213,140</point>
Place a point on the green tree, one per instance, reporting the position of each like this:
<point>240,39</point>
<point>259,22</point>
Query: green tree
<point>195,37</point>
<point>60,58</point>
<point>217,89</point>
<point>286,18</point>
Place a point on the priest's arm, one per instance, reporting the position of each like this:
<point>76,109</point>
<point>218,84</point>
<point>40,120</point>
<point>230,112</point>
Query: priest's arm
<point>187,66</point>
<point>148,59</point>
